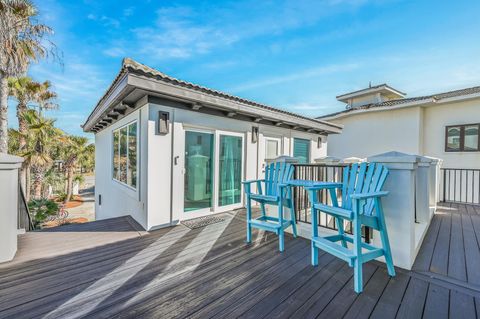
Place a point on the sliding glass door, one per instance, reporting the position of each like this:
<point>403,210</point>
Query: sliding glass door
<point>213,172</point>
<point>199,171</point>
<point>230,170</point>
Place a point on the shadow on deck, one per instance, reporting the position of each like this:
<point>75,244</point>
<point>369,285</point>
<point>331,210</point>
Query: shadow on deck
<point>210,272</point>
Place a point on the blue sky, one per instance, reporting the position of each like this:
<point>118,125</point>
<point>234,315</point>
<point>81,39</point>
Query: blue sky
<point>296,55</point>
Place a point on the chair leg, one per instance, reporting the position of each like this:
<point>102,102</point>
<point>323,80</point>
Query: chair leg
<point>388,253</point>
<point>249,217</point>
<point>314,254</point>
<point>384,238</point>
<point>293,218</point>
<point>281,237</point>
<point>358,276</point>
<point>357,249</point>
<point>281,240</point>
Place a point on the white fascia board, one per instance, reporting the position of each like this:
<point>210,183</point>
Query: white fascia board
<point>187,94</point>
<point>101,108</point>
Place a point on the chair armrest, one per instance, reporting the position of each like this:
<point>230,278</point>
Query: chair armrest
<point>323,186</point>
<point>369,195</point>
<point>253,181</point>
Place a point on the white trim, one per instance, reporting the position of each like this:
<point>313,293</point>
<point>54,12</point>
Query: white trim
<point>93,118</point>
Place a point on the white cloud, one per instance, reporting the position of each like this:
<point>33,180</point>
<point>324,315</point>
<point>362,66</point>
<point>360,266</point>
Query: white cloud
<point>301,75</point>
<point>114,52</point>
<point>128,11</point>
<point>177,35</point>
<point>104,20</point>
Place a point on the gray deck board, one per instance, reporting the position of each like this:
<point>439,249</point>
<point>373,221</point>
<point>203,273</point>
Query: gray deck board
<point>119,271</point>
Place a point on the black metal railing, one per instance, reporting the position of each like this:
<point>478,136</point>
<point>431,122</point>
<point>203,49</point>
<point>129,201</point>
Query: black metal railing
<point>322,173</point>
<point>24,220</point>
<point>460,185</point>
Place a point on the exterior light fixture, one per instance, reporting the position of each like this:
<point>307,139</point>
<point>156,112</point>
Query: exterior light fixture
<point>320,140</point>
<point>254,134</point>
<point>163,123</point>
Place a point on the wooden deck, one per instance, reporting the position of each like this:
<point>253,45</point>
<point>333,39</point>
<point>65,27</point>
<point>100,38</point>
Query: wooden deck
<point>210,273</point>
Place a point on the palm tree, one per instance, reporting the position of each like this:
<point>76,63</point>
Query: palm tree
<point>45,97</point>
<point>25,91</point>
<point>41,138</point>
<point>77,150</point>
<point>22,41</point>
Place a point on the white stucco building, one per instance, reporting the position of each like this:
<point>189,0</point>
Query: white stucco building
<point>381,119</point>
<point>169,150</point>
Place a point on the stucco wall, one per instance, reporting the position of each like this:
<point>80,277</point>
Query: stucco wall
<point>117,198</point>
<point>372,133</point>
<point>162,154</point>
<point>435,120</point>
<point>414,130</point>
<point>159,199</point>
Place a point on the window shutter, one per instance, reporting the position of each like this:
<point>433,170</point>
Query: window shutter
<point>301,150</point>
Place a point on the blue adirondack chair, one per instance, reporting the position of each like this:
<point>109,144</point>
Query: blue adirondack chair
<point>361,204</point>
<point>277,193</point>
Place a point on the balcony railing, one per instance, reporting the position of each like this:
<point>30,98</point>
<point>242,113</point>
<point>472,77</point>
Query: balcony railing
<point>460,185</point>
<point>24,220</point>
<point>323,173</point>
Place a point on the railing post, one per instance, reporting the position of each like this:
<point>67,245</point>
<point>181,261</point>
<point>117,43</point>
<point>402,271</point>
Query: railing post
<point>444,184</point>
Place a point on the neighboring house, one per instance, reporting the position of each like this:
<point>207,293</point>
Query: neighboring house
<point>379,119</point>
<point>169,150</point>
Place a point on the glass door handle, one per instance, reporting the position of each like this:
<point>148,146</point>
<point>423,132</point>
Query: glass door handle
<point>175,160</point>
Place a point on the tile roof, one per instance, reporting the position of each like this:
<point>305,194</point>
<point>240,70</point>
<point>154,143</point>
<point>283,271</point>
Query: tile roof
<point>151,72</point>
<point>395,102</point>
<point>130,65</point>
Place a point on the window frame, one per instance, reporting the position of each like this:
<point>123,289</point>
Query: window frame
<point>118,129</point>
<point>462,138</point>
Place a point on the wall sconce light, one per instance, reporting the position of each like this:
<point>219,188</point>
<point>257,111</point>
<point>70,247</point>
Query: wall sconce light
<point>163,124</point>
<point>320,140</point>
<point>254,134</point>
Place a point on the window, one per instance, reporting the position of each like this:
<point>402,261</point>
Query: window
<point>125,154</point>
<point>462,138</point>
<point>301,150</point>
<point>271,148</point>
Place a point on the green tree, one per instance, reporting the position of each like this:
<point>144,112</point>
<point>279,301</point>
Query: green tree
<point>24,90</point>
<point>22,40</point>
<point>46,97</point>
<point>42,137</point>
<point>77,150</point>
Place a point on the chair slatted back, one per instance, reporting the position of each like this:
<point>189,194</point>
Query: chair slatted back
<point>277,173</point>
<point>361,179</point>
